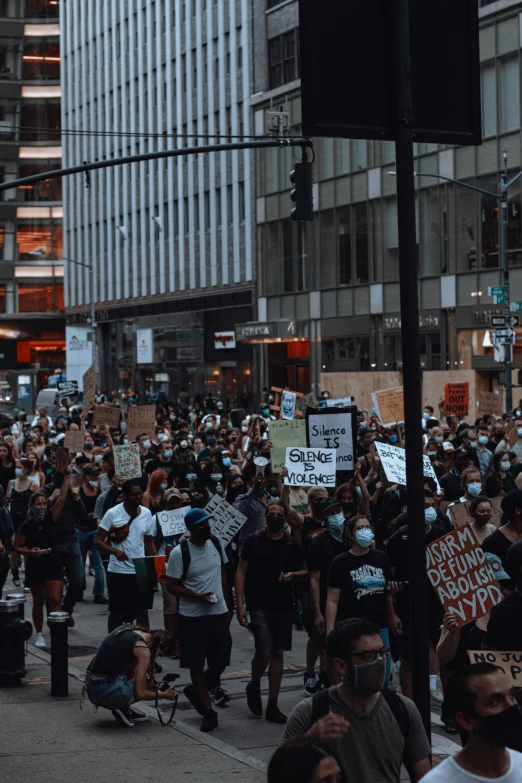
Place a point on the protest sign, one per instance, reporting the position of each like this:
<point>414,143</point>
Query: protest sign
<point>511,434</point>
<point>62,459</point>
<point>496,511</point>
<point>127,463</point>
<point>89,388</point>
<point>338,402</point>
<point>287,404</point>
<point>334,429</point>
<point>74,441</point>
<point>68,389</point>
<point>393,459</point>
<point>105,415</point>
<point>509,662</point>
<point>172,522</point>
<point>141,419</point>
<point>390,405</point>
<point>489,402</point>
<point>307,401</point>
<point>285,433</point>
<point>461,575</point>
<point>226,520</point>
<point>460,514</point>
<point>456,399</point>
<point>308,467</point>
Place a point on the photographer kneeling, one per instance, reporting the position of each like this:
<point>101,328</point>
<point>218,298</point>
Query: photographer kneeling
<point>122,671</point>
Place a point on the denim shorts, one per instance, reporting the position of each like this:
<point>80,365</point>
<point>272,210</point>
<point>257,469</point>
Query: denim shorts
<point>114,692</point>
<point>272,631</point>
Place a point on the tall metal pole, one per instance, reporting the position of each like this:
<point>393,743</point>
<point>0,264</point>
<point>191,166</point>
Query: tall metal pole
<point>411,362</point>
<point>508,348</point>
<point>93,320</point>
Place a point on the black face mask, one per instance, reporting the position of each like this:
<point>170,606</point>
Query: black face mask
<point>503,729</point>
<point>351,507</point>
<point>274,523</point>
<point>201,533</point>
<point>234,492</point>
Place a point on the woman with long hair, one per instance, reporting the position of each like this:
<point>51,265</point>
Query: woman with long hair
<point>19,492</point>
<point>499,480</point>
<point>7,465</point>
<point>154,497</point>
<point>36,474</point>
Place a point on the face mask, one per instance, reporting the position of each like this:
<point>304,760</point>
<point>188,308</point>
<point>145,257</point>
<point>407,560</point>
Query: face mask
<point>432,453</point>
<point>98,457</point>
<point>244,429</point>
<point>162,436</point>
<point>425,415</point>
<point>227,462</point>
<point>208,425</point>
<point>19,472</point>
<point>474,489</point>
<point>393,438</point>
<point>519,432</point>
<point>191,476</point>
<point>183,444</point>
<point>364,537</point>
<point>483,440</point>
<point>239,489</point>
<point>216,476</point>
<point>164,486</point>
<point>93,484</point>
<point>201,533</point>
<point>336,526</point>
<point>265,412</point>
<point>105,483</point>
<point>430,515</point>
<point>351,507</point>
<point>502,729</point>
<point>505,466</point>
<point>126,441</point>
<point>367,678</point>
<point>167,453</point>
<point>89,446</point>
<point>39,513</point>
<point>274,523</point>
<point>146,443</point>
<point>439,439</point>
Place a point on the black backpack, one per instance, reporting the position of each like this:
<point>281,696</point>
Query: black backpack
<point>185,554</point>
<point>321,707</point>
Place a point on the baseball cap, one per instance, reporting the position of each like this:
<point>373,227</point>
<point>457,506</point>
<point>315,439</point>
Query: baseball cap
<point>448,446</point>
<point>196,516</point>
<point>326,504</point>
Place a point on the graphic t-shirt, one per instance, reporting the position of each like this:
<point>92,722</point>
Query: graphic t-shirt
<point>362,581</point>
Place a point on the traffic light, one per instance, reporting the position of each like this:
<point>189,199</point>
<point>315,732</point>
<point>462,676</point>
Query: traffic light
<point>301,195</point>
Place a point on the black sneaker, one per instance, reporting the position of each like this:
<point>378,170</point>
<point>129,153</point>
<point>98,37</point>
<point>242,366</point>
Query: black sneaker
<point>192,695</point>
<point>309,684</point>
<point>157,667</point>
<point>221,697</point>
<point>123,718</point>
<point>210,721</point>
<point>70,621</point>
<point>274,714</point>
<point>322,681</point>
<point>136,716</point>
<point>253,694</point>
<point>16,577</point>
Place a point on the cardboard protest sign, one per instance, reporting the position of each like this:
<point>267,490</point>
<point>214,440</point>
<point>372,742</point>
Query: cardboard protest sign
<point>62,459</point>
<point>461,575</point>
<point>489,402</point>
<point>509,662</point>
<point>460,514</point>
<point>74,441</point>
<point>89,388</point>
<point>390,405</point>
<point>68,389</point>
<point>141,418</point>
<point>172,522</point>
<point>510,433</point>
<point>309,467</point>
<point>334,429</point>
<point>287,404</point>
<point>226,520</point>
<point>285,433</point>
<point>307,401</point>
<point>456,399</point>
<point>127,463</point>
<point>496,511</point>
<point>103,414</point>
<point>393,459</point>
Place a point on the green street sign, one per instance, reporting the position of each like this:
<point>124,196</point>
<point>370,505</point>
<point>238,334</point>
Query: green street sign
<point>516,307</point>
<point>499,299</point>
<point>496,290</point>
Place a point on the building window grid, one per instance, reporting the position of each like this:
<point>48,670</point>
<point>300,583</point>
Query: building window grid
<point>284,59</point>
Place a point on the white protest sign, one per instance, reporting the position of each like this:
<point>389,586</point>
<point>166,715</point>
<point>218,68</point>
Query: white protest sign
<point>172,523</point>
<point>288,404</point>
<point>333,430</point>
<point>226,520</point>
<point>393,460</point>
<point>308,467</point>
<point>344,401</point>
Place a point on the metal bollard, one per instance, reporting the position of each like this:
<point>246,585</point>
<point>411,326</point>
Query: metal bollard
<point>20,600</point>
<point>59,660</point>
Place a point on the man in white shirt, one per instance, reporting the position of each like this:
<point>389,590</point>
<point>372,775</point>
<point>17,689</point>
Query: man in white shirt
<point>482,699</point>
<point>126,603</point>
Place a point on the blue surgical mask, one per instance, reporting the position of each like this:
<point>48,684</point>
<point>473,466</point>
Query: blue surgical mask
<point>519,432</point>
<point>336,526</point>
<point>364,536</point>
<point>439,438</point>
<point>216,476</point>
<point>164,486</point>
<point>191,476</point>
<point>227,462</point>
<point>167,453</point>
<point>425,415</point>
<point>505,466</point>
<point>430,515</point>
<point>265,412</point>
<point>483,440</point>
<point>393,438</point>
<point>19,472</point>
<point>475,489</point>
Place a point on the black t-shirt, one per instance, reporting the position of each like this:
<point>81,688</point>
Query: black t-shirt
<point>171,468</point>
<point>497,544</point>
<point>6,474</point>
<point>362,581</point>
<point>321,553</point>
<point>38,533</point>
<point>504,631</point>
<point>266,559</point>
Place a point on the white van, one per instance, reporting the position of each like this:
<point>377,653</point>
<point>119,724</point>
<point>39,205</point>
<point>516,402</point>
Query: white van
<point>48,398</point>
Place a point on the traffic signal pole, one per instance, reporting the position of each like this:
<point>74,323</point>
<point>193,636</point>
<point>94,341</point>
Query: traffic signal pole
<point>508,347</point>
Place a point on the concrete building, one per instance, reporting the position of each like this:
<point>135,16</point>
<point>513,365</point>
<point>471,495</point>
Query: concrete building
<point>171,242</point>
<point>32,321</point>
<point>328,292</point>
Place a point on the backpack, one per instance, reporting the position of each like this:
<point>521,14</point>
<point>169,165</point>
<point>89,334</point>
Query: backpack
<point>321,707</point>
<point>185,554</point>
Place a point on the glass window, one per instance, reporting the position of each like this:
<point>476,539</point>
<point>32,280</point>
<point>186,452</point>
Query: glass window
<point>327,257</point>
<point>283,59</point>
<point>391,240</point>
<point>514,223</point>
<point>345,246</point>
<point>230,205</point>
<point>40,298</point>
<point>342,156</point>
<point>49,190</point>
<point>275,66</point>
<point>242,202</point>
<point>8,120</point>
<point>360,219</point>
<point>466,218</point>
<point>489,207</point>
<point>510,94</point>
<point>288,256</point>
<point>430,231</point>
<point>489,100</point>
<point>11,9</point>
<point>41,59</point>
<point>291,56</point>
<point>326,158</point>
<point>8,171</point>
<point>360,154</point>
<point>273,268</point>
<point>39,239</point>
<point>42,9</point>
<point>9,60</point>
<point>271,169</point>
<point>41,121</point>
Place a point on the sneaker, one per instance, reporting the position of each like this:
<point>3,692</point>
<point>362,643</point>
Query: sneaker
<point>16,577</point>
<point>123,718</point>
<point>253,694</point>
<point>40,641</point>
<point>210,721</point>
<point>437,696</point>
<point>274,714</point>
<point>27,589</point>
<point>100,599</point>
<point>193,696</point>
<point>322,681</point>
<point>309,684</point>
<point>221,697</point>
<point>450,725</point>
<point>136,716</point>
<point>70,624</point>
<point>157,667</point>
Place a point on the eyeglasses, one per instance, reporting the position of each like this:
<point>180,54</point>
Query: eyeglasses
<point>371,655</point>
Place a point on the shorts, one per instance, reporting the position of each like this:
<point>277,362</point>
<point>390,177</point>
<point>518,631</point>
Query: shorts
<point>43,569</point>
<point>206,638</point>
<point>170,602</point>
<point>114,692</point>
<point>124,596</point>
<point>307,612</point>
<point>272,631</point>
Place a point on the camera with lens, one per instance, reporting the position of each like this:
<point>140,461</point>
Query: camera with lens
<point>167,681</point>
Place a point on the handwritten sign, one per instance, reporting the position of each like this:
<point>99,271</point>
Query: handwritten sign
<point>284,433</point>
<point>74,441</point>
<point>287,404</point>
<point>226,520</point>
<point>496,511</point>
<point>172,522</point>
<point>489,402</point>
<point>308,467</point>
<point>509,662</point>
<point>460,514</point>
<point>456,399</point>
<point>105,415</point>
<point>334,429</point>
<point>89,388</point>
<point>307,401</point>
<point>127,463</point>
<point>390,405</point>
<point>141,419</point>
<point>461,576</point>
<point>393,460</point>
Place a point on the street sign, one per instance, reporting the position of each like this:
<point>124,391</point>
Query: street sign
<point>508,333</point>
<point>516,307</point>
<point>496,290</point>
<point>514,321</point>
<point>500,299</point>
<point>498,320</point>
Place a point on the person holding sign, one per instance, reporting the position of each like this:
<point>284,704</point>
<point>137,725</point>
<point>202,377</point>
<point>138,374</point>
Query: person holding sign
<point>498,543</point>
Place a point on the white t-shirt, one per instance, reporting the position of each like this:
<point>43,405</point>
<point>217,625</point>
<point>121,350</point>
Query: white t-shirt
<point>203,576</point>
<point>450,772</point>
<point>133,546</point>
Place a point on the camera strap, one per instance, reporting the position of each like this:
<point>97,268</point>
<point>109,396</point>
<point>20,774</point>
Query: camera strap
<point>173,712</point>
